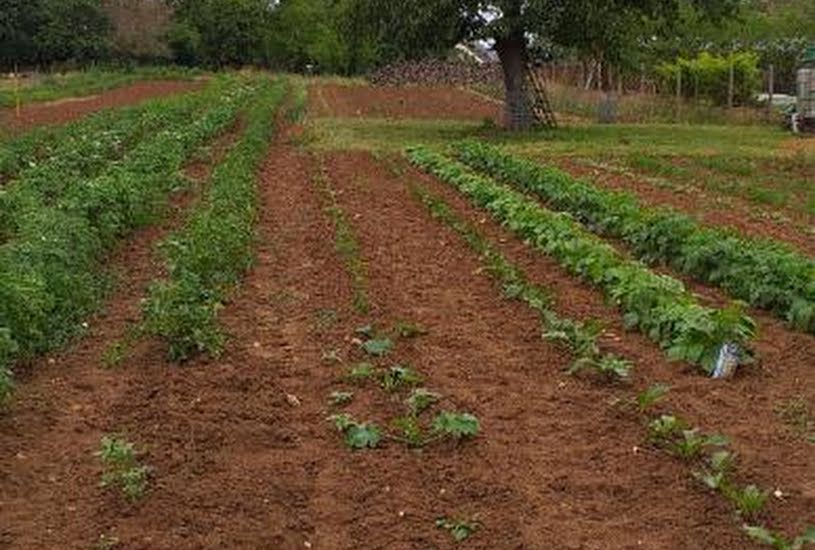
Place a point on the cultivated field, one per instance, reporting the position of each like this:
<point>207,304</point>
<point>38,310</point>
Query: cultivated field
<point>262,311</point>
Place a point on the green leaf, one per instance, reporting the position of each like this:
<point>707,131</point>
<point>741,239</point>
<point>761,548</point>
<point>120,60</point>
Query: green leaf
<point>456,425</point>
<point>378,347</point>
<point>361,436</point>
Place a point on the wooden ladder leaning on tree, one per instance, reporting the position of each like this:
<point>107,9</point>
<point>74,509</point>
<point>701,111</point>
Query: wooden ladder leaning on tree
<point>538,99</point>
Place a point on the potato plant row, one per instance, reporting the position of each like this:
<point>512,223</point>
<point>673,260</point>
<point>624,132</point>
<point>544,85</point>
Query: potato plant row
<point>81,146</point>
<point>207,257</point>
<point>50,273</point>
<point>657,305</point>
<point>89,152</point>
<point>766,274</point>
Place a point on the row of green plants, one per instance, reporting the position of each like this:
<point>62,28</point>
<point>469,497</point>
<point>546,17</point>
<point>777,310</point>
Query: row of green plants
<point>92,139</point>
<point>657,305</point>
<point>710,462</point>
<point>345,242</point>
<point>51,273</point>
<point>87,150</point>
<point>208,256</point>
<point>763,273</point>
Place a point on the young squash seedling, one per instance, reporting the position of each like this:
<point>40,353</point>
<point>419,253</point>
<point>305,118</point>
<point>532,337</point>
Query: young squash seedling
<point>341,398</point>
<point>665,428</point>
<point>459,529</point>
<point>398,377</point>
<point>651,396</point>
<point>692,442</point>
<point>718,468</point>
<point>361,373</point>
<point>378,347</point>
<point>122,468</point>
<point>409,330</point>
<point>357,435</point>
<point>749,500</point>
<point>607,367</point>
<point>420,400</point>
<point>457,426</point>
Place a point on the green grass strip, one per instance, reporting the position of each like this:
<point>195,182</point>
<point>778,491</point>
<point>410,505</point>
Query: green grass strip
<point>657,305</point>
<point>207,258</point>
<point>766,274</point>
<point>51,275</point>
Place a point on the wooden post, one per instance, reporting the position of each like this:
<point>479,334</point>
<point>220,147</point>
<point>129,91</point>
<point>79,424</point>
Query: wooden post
<point>731,84</point>
<point>17,90</point>
<point>678,93</point>
<point>770,91</point>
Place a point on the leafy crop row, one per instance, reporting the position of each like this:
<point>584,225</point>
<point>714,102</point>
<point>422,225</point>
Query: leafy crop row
<point>50,277</point>
<point>84,151</point>
<point>765,274</point>
<point>657,305</point>
<point>89,142</point>
<point>207,257</point>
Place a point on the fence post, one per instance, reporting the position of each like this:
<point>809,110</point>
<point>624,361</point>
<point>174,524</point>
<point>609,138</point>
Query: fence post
<point>731,83</point>
<point>770,91</point>
<point>678,94</point>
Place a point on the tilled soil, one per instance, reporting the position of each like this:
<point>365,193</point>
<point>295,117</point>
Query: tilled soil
<point>66,110</point>
<point>430,102</point>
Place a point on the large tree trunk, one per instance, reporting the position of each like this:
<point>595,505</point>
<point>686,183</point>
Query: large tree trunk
<point>512,53</point>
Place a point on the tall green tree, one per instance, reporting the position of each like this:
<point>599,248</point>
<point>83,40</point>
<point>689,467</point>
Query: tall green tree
<point>45,31</point>
<point>221,32</point>
<point>412,28</point>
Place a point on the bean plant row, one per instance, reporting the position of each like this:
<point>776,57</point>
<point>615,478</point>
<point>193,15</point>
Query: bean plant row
<point>657,305</point>
<point>764,273</point>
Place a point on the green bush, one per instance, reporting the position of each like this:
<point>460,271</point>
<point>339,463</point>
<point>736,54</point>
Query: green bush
<point>707,76</point>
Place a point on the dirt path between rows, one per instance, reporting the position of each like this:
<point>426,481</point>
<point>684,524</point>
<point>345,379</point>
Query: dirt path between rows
<point>64,111</point>
<point>745,409</point>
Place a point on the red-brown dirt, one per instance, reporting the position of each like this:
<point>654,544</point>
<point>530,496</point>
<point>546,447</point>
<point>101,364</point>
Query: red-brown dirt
<point>436,102</point>
<point>66,110</point>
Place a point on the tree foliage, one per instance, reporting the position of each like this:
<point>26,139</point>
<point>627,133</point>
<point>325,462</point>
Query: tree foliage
<point>45,31</point>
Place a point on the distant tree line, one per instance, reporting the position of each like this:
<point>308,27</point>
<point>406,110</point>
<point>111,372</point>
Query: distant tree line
<point>353,36</point>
